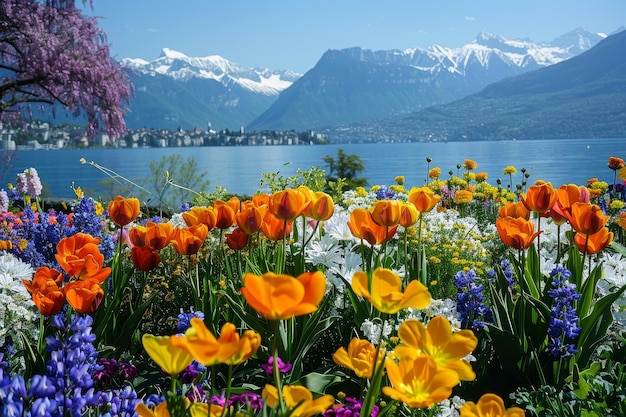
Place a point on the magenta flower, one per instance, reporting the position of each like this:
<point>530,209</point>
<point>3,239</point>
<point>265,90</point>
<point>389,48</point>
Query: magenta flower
<point>282,366</point>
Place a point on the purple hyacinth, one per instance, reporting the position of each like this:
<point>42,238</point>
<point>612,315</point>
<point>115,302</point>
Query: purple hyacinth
<point>473,313</point>
<point>28,183</point>
<point>563,328</point>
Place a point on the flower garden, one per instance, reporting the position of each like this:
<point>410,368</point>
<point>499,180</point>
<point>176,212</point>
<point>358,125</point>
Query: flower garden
<point>452,297</point>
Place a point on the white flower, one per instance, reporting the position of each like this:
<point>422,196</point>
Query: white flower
<point>325,251</point>
<point>347,269</point>
<point>337,226</point>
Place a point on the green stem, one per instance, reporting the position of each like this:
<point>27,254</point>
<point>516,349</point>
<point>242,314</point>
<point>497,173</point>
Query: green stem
<point>277,382</point>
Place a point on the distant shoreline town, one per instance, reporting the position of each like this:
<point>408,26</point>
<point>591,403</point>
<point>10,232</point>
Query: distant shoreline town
<point>36,136</point>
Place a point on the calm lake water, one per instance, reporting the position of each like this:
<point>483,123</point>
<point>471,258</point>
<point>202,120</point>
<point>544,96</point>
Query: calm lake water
<point>239,169</point>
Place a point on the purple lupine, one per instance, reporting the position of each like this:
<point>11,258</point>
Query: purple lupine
<point>563,328</point>
<point>67,386</point>
<point>473,313</point>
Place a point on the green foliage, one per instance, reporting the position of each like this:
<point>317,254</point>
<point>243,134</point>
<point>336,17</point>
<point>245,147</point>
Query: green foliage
<point>313,178</point>
<point>345,168</point>
<point>173,182</point>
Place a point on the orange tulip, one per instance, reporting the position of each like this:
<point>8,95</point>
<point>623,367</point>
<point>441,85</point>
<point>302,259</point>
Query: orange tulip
<point>408,215</point>
<point>237,239</point>
<point>137,235</point>
<point>225,214</point>
<point>229,348</point>
<point>288,204</point>
<point>515,210</point>
<point>516,233</point>
<point>566,195</point>
<point>360,357</point>
<point>280,297</point>
<point>540,197</point>
<point>189,240</point>
<point>386,213</point>
<point>298,399</point>
<point>275,229</point>
<point>489,405</point>
<point>200,215</point>
<point>80,257</point>
<point>586,218</point>
<point>321,208</point>
<point>84,296</point>
<point>615,163</point>
<point>159,235</point>
<point>123,210</point>
<point>594,243</point>
<point>363,227</point>
<point>44,287</point>
<point>386,291</point>
<point>249,219</point>
<point>145,258</point>
<point>423,199</point>
<point>261,200</point>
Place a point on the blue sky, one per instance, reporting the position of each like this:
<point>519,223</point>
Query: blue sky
<point>283,34</point>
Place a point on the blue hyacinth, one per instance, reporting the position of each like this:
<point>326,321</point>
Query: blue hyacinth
<point>473,313</point>
<point>385,193</point>
<point>563,328</point>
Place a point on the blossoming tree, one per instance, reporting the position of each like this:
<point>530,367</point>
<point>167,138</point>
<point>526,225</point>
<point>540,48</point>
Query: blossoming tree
<point>51,53</point>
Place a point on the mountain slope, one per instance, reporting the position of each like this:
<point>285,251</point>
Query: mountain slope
<point>353,84</point>
<point>175,91</point>
<point>584,96</point>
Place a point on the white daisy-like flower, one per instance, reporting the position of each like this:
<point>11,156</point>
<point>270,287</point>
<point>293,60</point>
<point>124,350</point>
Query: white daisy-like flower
<point>337,226</point>
<point>325,251</point>
<point>14,267</point>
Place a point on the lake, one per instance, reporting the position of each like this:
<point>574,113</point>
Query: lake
<point>239,169</point>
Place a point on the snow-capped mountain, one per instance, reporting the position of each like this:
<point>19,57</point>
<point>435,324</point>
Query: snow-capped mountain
<point>181,67</point>
<point>356,84</point>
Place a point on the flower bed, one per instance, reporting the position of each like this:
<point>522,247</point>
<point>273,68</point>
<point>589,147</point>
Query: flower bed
<point>454,298</point>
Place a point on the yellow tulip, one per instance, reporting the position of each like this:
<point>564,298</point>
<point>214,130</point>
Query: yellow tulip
<point>439,342</point>
<point>489,405</point>
<point>360,357</point>
<point>298,400</point>
<point>170,358</point>
<point>386,212</point>
<point>418,382</point>
<point>204,347</point>
<point>386,294</point>
<point>423,199</point>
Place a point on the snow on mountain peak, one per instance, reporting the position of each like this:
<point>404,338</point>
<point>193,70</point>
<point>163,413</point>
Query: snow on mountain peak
<point>170,53</point>
<point>181,67</point>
